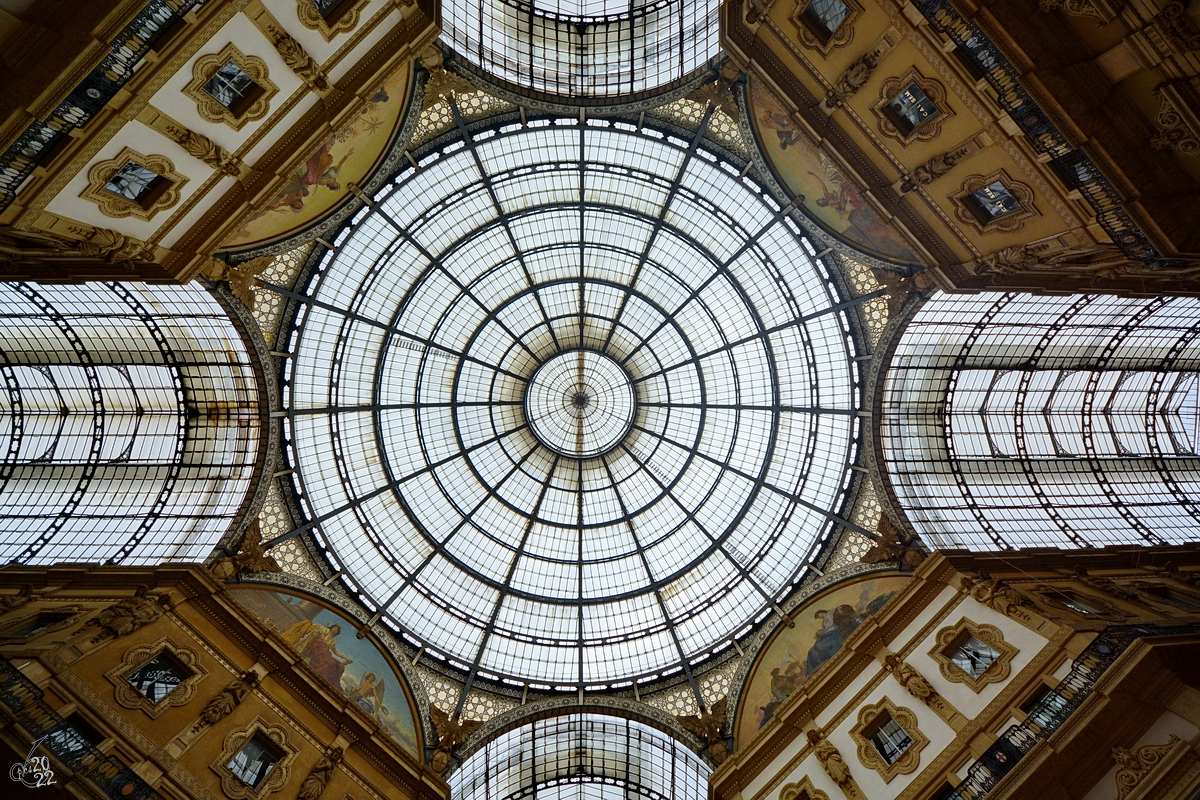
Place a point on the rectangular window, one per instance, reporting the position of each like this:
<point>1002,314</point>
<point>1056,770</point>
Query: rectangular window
<point>973,656</point>
<point>232,88</point>
<point>137,183</point>
<point>157,677</point>
<point>330,9</point>
<point>254,761</point>
<point>824,17</point>
<point>1174,597</point>
<point>1046,709</point>
<point>889,739</point>
<point>31,628</point>
<point>75,737</point>
<point>911,108</point>
<point>994,201</point>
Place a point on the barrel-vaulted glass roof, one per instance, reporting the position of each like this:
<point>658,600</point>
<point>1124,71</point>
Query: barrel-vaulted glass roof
<point>572,404</point>
<point>584,48</point>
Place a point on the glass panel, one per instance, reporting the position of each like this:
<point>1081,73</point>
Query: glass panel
<point>890,740</point>
<point>134,182</point>
<point>911,108</point>
<point>231,87</point>
<point>254,761</point>
<point>994,201</point>
<point>158,676</point>
<point>973,656</point>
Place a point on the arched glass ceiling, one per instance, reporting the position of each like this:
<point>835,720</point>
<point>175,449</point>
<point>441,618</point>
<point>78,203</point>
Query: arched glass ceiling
<point>584,48</point>
<point>572,404</point>
<point>1017,420</point>
<point>577,756</point>
<point>129,423</point>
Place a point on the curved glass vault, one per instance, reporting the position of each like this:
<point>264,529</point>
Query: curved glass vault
<point>578,756</point>
<point>1019,420</point>
<point>584,48</point>
<point>572,404</point>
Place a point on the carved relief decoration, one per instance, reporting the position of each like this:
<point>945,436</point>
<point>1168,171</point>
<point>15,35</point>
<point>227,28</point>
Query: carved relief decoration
<point>1007,223</point>
<point>1178,121</point>
<point>1136,765</point>
<point>948,639</point>
<point>210,108</point>
<point>298,59</point>
<point>859,71</point>
<point>342,20</point>
<point>909,760</point>
<point>233,786</point>
<point>840,38</point>
<point>928,129</point>
<point>802,790</point>
<point>114,205</point>
<point>1100,10</point>
<point>135,657</point>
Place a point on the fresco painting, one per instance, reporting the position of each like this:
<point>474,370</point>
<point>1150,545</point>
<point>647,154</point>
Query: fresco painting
<point>320,182</point>
<point>327,642</point>
<point>829,195</point>
<point>795,654</point>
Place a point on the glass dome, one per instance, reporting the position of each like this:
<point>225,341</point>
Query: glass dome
<point>572,404</point>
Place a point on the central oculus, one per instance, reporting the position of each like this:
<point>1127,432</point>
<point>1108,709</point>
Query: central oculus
<point>580,403</point>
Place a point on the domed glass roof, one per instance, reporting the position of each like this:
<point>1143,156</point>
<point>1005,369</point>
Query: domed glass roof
<point>572,404</point>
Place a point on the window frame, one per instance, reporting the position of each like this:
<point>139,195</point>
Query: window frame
<point>814,37</point>
<point>870,719</point>
<point>163,195</point>
<point>210,108</point>
<point>950,638</point>
<point>137,657</point>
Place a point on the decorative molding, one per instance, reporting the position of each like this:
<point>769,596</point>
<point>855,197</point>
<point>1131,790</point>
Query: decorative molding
<point>1177,124</point>
<point>135,657</point>
<point>114,205</point>
<point>802,790</point>
<point>227,699</point>
<point>343,20</point>
<point>909,760</point>
<point>1009,222</point>
<point>210,108</point>
<point>930,128</point>
<point>128,614</point>
<point>1100,10</point>
<point>840,38</point>
<point>948,638</point>
<point>201,147</point>
<point>233,786</point>
<point>1136,765</point>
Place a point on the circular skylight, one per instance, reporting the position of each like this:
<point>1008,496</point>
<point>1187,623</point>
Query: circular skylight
<point>572,404</point>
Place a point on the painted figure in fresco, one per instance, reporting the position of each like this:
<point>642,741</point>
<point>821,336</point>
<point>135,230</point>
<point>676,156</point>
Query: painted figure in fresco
<point>838,624</point>
<point>317,644</point>
<point>369,693</point>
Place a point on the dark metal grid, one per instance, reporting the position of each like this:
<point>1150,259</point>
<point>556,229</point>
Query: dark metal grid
<point>549,314</point>
<point>549,47</point>
<point>962,488</point>
<point>133,434</point>
<point>581,755</point>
